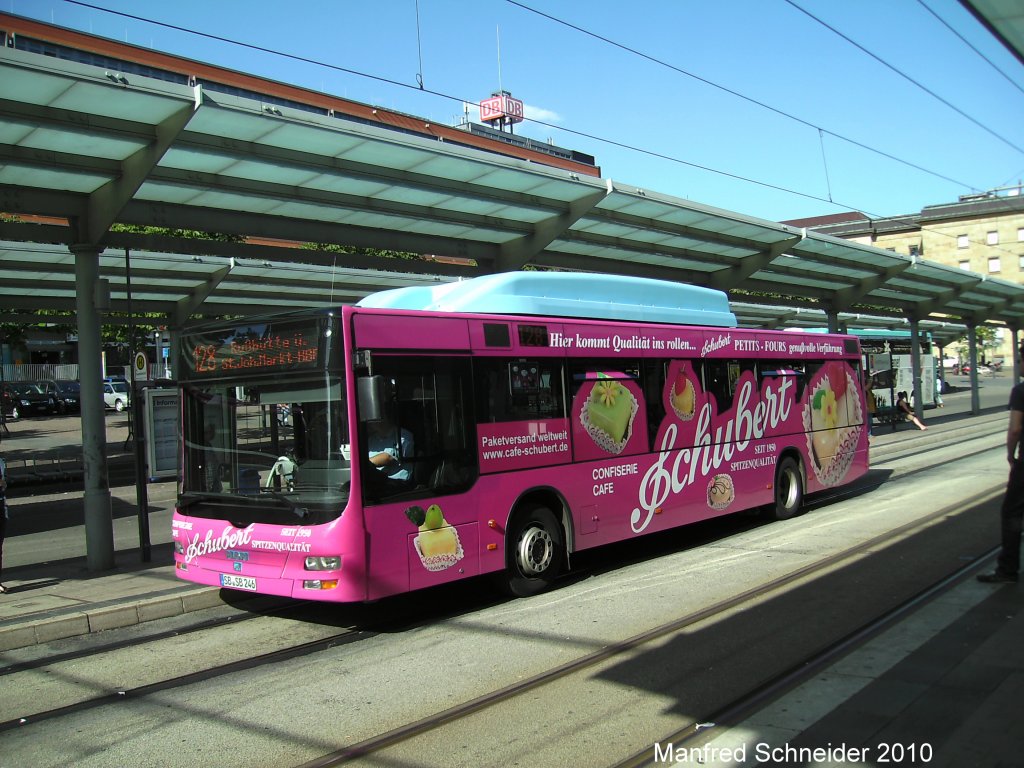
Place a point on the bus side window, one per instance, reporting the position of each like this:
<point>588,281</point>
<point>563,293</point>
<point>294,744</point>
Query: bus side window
<point>520,389</point>
<point>769,371</point>
<point>431,397</point>
<point>721,378</point>
<point>716,384</point>
<point>653,384</point>
<point>771,374</point>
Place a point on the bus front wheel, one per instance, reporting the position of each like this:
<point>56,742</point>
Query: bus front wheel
<point>789,489</point>
<point>537,552</point>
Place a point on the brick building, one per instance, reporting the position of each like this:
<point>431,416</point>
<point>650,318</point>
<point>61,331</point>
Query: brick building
<point>981,233</point>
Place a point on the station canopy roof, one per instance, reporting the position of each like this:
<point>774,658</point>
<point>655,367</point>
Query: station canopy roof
<point>92,147</point>
<point>1004,19</point>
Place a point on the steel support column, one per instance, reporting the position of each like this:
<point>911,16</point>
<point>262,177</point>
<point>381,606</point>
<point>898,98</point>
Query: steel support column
<point>99,524</point>
<point>972,355</point>
<point>833,320</point>
<point>915,367</point>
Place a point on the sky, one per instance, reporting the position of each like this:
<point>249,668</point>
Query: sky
<point>776,109</point>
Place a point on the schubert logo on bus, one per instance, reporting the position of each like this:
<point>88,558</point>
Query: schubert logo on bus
<point>669,476</point>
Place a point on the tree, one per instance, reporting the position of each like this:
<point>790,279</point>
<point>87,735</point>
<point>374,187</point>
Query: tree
<point>986,339</point>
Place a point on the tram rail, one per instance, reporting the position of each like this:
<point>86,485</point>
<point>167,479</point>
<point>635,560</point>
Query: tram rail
<point>381,619</point>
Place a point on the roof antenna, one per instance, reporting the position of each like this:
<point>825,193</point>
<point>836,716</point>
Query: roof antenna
<point>497,34</point>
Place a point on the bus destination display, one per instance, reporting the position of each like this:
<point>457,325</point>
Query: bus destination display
<point>263,348</point>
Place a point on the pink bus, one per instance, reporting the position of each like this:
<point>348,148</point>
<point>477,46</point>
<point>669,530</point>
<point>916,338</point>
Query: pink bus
<point>494,426</point>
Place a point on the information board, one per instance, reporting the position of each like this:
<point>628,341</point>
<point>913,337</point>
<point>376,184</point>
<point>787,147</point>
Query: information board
<point>161,430</point>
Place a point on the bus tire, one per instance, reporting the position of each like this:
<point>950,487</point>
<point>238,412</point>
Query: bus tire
<point>789,489</point>
<point>536,554</point>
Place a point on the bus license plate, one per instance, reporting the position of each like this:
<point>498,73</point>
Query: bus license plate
<point>238,582</point>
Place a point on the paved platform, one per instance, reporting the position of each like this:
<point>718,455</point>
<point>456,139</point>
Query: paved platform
<point>943,687</point>
<point>52,593</point>
<point>950,676</point>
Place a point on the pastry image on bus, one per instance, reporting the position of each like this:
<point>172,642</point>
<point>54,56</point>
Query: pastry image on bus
<point>607,414</point>
<point>833,419</point>
<point>683,395</point>
<point>720,492</point>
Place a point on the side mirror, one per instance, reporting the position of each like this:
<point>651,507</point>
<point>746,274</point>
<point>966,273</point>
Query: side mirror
<point>372,394</point>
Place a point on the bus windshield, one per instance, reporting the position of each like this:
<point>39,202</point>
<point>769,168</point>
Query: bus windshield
<point>265,451</point>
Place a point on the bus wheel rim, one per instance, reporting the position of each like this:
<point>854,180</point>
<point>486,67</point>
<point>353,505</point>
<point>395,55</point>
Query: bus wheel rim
<point>536,551</point>
<point>788,487</point>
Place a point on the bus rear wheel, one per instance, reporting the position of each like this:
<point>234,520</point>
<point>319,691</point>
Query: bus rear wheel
<point>789,489</point>
<point>536,553</point>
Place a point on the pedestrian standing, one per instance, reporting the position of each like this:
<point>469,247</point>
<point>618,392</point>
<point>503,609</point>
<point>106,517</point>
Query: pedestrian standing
<point>1008,564</point>
<point>872,410</point>
<point>3,518</point>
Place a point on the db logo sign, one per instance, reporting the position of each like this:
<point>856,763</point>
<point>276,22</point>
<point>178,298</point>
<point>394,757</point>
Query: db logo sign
<point>501,107</point>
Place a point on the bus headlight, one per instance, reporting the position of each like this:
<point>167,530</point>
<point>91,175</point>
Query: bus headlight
<point>330,563</point>
<point>179,548</point>
<point>320,584</point>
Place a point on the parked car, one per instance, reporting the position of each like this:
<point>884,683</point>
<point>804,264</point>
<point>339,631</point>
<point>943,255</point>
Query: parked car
<point>116,395</point>
<point>26,398</point>
<point>7,402</point>
<point>67,394</point>
<point>982,369</point>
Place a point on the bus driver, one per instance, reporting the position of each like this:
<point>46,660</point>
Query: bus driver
<point>387,448</point>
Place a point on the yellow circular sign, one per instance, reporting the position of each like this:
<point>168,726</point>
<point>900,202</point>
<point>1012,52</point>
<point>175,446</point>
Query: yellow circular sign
<point>141,366</point>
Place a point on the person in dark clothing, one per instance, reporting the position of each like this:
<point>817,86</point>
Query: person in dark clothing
<point>903,405</point>
<point>1008,565</point>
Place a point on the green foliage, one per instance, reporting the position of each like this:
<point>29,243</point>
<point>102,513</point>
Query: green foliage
<point>766,297</point>
<point>11,332</point>
<point>193,234</point>
<point>984,337</point>
<point>63,323</point>
<point>352,250</point>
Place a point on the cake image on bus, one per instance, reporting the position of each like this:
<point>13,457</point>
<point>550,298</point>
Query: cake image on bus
<point>607,414</point>
<point>683,396</point>
<point>437,543</point>
<point>832,419</point>
<point>720,492</point>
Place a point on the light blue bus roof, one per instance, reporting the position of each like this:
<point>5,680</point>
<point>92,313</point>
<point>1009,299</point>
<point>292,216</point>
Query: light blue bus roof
<point>874,333</point>
<point>566,294</point>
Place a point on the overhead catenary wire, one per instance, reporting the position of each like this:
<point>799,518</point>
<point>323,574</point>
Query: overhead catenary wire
<point>966,42</point>
<point>824,162</point>
<point>899,219</point>
<point>744,97</point>
<point>463,100</point>
<point>907,77</point>
<point>419,46</point>
<point>419,86</point>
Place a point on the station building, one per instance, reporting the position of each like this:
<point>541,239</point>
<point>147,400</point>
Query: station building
<point>982,233</point>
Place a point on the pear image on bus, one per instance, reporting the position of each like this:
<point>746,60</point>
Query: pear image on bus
<point>438,542</point>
